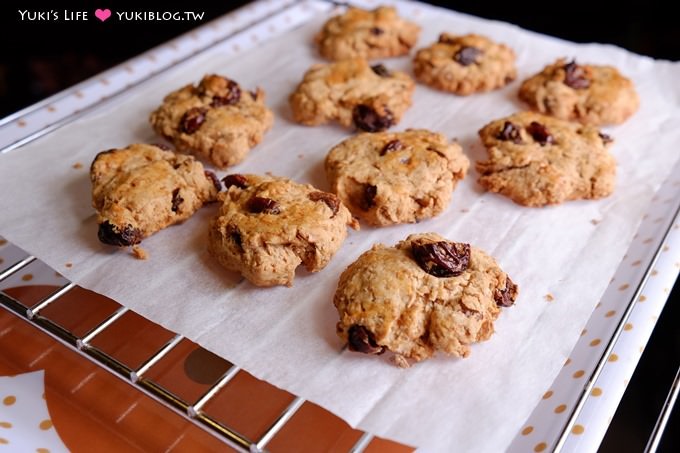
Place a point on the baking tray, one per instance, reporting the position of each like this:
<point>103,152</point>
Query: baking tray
<point>572,414</point>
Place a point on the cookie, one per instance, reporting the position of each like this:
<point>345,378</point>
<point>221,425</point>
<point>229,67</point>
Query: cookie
<point>380,33</point>
<point>538,160</point>
<point>387,178</point>
<point>352,92</point>
<point>142,189</point>
<point>424,295</point>
<point>216,120</point>
<point>267,226</point>
<point>589,94</point>
<point>465,64</point>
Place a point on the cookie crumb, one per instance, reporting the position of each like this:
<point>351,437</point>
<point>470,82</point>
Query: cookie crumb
<point>549,297</point>
<point>400,361</point>
<point>69,265</point>
<point>139,253</point>
<point>77,165</point>
<point>300,156</point>
<point>595,221</point>
<point>465,210</point>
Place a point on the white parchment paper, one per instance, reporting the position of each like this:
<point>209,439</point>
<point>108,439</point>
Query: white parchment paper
<point>287,335</point>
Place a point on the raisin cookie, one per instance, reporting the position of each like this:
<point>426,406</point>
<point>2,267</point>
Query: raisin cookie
<point>538,160</point>
<point>424,295</point>
<point>352,92</point>
<point>266,227</point>
<point>142,189</point>
<point>595,95</point>
<point>367,34</point>
<point>465,64</point>
<point>216,120</point>
<point>387,178</point>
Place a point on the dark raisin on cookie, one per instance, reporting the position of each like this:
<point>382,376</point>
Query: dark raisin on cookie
<point>540,133</point>
<point>114,235</point>
<point>510,132</point>
<point>235,235</point>
<point>467,55</point>
<point>575,76</point>
<point>176,200</point>
<point>262,205</point>
<point>444,39</point>
<point>213,178</point>
<point>392,145</point>
<point>368,197</point>
<point>235,179</point>
<point>381,70</point>
<point>605,138</point>
<point>232,97</point>
<point>360,339</point>
<point>442,258</point>
<point>506,297</point>
<point>377,31</point>
<point>161,146</point>
<point>367,119</point>
<point>192,119</point>
<point>330,199</point>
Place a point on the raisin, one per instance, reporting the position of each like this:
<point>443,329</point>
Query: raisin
<point>237,180</point>
<point>540,133</point>
<point>575,76</point>
<point>506,297</point>
<point>510,132</point>
<point>381,70</point>
<point>467,55</point>
<point>192,120</point>
<point>367,119</point>
<point>377,31</point>
<point>392,145</point>
<point>368,199</point>
<point>176,200</point>
<point>235,235</point>
<point>114,235</point>
<point>360,339</point>
<point>262,205</point>
<point>442,258</point>
<point>331,200</point>
<point>605,138</point>
<point>161,146</point>
<point>213,178</point>
<point>446,39</point>
<point>232,97</point>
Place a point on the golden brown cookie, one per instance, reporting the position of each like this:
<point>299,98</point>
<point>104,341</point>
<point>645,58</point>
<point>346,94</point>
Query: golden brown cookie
<point>465,64</point>
<point>424,295</point>
<point>216,120</point>
<point>589,94</point>
<point>538,160</point>
<point>266,227</point>
<point>367,34</point>
<point>142,189</point>
<point>352,92</point>
<point>399,177</point>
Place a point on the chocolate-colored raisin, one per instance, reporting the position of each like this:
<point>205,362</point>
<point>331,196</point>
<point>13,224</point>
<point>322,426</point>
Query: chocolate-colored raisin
<point>232,97</point>
<point>575,76</point>
<point>507,296</point>
<point>262,205</point>
<point>114,235</point>
<point>330,199</point>
<point>367,119</point>
<point>368,198</point>
<point>444,39</point>
<point>161,146</point>
<point>377,31</point>
<point>510,132</point>
<point>192,120</point>
<point>605,138</point>
<point>442,258</point>
<point>213,178</point>
<point>467,55</point>
<point>392,145</point>
<point>360,339</point>
<point>540,133</point>
<point>381,70</point>
<point>235,179</point>
<point>176,200</point>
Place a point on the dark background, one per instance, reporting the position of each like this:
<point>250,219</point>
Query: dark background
<point>39,59</point>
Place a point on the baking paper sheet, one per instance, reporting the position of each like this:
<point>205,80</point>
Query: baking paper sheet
<point>287,335</point>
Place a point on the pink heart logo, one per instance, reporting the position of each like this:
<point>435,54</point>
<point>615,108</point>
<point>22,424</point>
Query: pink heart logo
<point>102,14</point>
